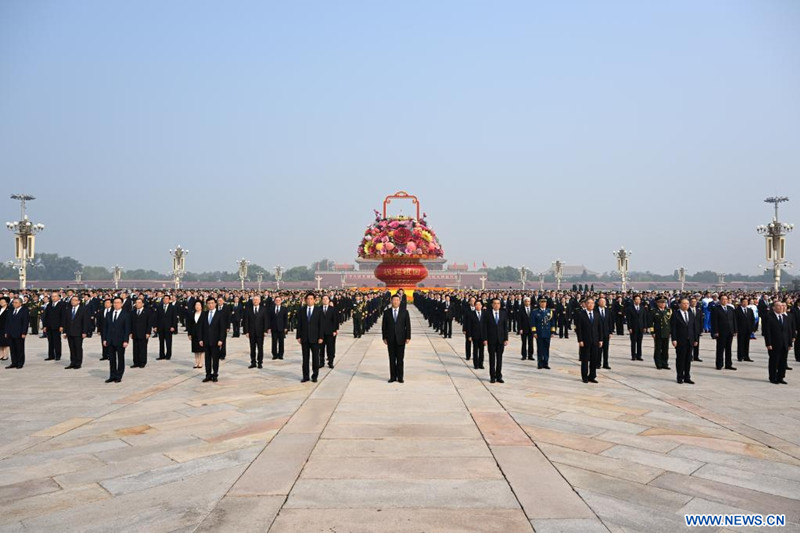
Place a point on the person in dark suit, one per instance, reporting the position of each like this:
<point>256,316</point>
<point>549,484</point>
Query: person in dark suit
<point>396,332</point>
<point>745,325</point>
<point>588,328</point>
<point>469,309</point>
<point>447,318</point>
<point>104,315</point>
<point>256,325</point>
<point>696,313</point>
<point>16,329</point>
<point>723,328</point>
<point>330,329</point>
<point>194,328</point>
<point>278,327</point>
<point>166,326</point>
<point>777,329</point>
<point>524,325</point>
<point>117,332</point>
<point>141,329</point>
<point>225,312</point>
<point>683,330</point>
<point>237,313</point>
<point>213,332</point>
<point>473,328</point>
<point>53,326</point>
<point>637,323</point>
<point>495,340</point>
<point>309,335</point>
<point>607,324</point>
<point>76,328</point>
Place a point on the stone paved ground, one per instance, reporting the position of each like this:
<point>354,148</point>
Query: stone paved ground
<point>446,451</point>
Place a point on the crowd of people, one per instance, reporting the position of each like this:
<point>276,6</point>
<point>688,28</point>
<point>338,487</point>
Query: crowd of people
<point>487,319</point>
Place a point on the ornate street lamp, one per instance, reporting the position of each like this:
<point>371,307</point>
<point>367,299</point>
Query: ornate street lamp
<point>260,278</point>
<point>622,256</point>
<point>775,235</point>
<point>541,281</point>
<point>178,265</point>
<point>682,277</point>
<point>78,276</point>
<point>278,276</point>
<point>523,275</point>
<point>319,279</point>
<point>243,263</point>
<point>116,274</point>
<point>483,282</point>
<point>25,232</point>
<point>558,270</point>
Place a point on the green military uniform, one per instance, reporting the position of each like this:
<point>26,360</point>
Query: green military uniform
<point>660,320</point>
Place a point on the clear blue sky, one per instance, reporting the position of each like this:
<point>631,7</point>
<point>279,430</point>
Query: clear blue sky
<point>530,130</point>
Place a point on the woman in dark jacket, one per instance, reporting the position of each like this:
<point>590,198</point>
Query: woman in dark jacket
<point>193,329</point>
<point>4,343</point>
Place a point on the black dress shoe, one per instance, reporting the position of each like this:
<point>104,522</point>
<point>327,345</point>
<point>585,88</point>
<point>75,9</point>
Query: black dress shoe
<point>749,360</point>
<point>392,380</point>
<point>530,358</point>
<point>134,366</point>
<point>11,366</point>
<point>104,358</point>
<point>697,359</point>
<point>110,380</point>
<point>606,367</point>
<point>783,382</point>
<point>689,381</point>
<point>666,368</point>
<point>207,379</point>
<point>467,358</point>
<point>214,379</point>
<point>330,365</point>
<point>70,367</point>
<point>117,381</point>
<point>592,381</point>
<point>260,365</point>
<point>313,380</point>
<point>76,368</point>
<point>400,381</point>
<point>491,380</point>
<point>160,358</point>
<point>274,357</point>
<point>788,368</point>
<point>303,380</point>
<point>500,380</point>
<point>50,359</point>
<point>680,382</point>
<point>585,380</point>
<point>775,382</point>
<point>252,365</point>
<point>546,367</point>
<point>730,368</point>
<point>523,357</point>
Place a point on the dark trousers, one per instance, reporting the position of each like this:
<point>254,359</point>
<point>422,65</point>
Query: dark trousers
<point>661,352</point>
<point>165,343</point>
<point>683,360</point>
<point>53,343</point>
<point>447,328</point>
<point>256,349</point>
<point>396,354</point>
<point>543,348</point>
<point>212,360</point>
<point>696,350</point>
<point>75,343</point>
<point>496,360</point>
<point>563,329</point>
<point>34,325</point>
<point>468,346</point>
<point>620,324</point>
<point>328,348</point>
<point>477,353</point>
<point>116,361</point>
<point>277,346</point>
<point>526,340</point>
<point>636,344</point>
<point>724,346</point>
<point>310,355</point>
<point>777,363</point>
<point>140,351</point>
<point>797,352</point>
<point>604,351</point>
<point>237,325</point>
<point>590,357</point>
<point>17,346</point>
<point>742,346</point>
<point>357,326</point>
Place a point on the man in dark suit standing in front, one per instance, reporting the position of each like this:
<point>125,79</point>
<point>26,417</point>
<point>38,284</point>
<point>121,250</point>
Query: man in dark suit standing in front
<point>696,314</point>
<point>76,327</point>
<point>166,326</point>
<point>15,331</point>
<point>396,332</point>
<point>723,328</point>
<point>496,339</point>
<point>213,330</point>
<point>524,325</point>
<point>473,329</point>
<point>683,330</point>
<point>117,332</point>
<point>588,328</point>
<point>309,335</point>
<point>637,323</point>
<point>256,325</point>
<point>53,325</point>
<point>141,328</point>
<point>330,329</point>
<point>777,329</point>
<point>278,327</point>
<point>745,325</point>
<point>606,329</point>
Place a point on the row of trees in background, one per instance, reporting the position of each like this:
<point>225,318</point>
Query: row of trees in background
<point>510,273</point>
<point>55,267</point>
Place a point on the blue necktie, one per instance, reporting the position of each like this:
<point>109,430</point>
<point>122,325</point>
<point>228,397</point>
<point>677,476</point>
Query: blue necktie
<point>395,315</point>
<point>308,314</point>
<point>210,317</point>
<point>73,312</point>
<point>496,318</point>
<point>591,317</point>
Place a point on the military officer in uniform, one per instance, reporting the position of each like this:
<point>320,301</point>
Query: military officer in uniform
<point>543,326</point>
<point>660,330</point>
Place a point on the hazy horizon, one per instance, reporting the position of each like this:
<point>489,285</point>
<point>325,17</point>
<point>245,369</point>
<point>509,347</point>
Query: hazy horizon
<point>529,131</point>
